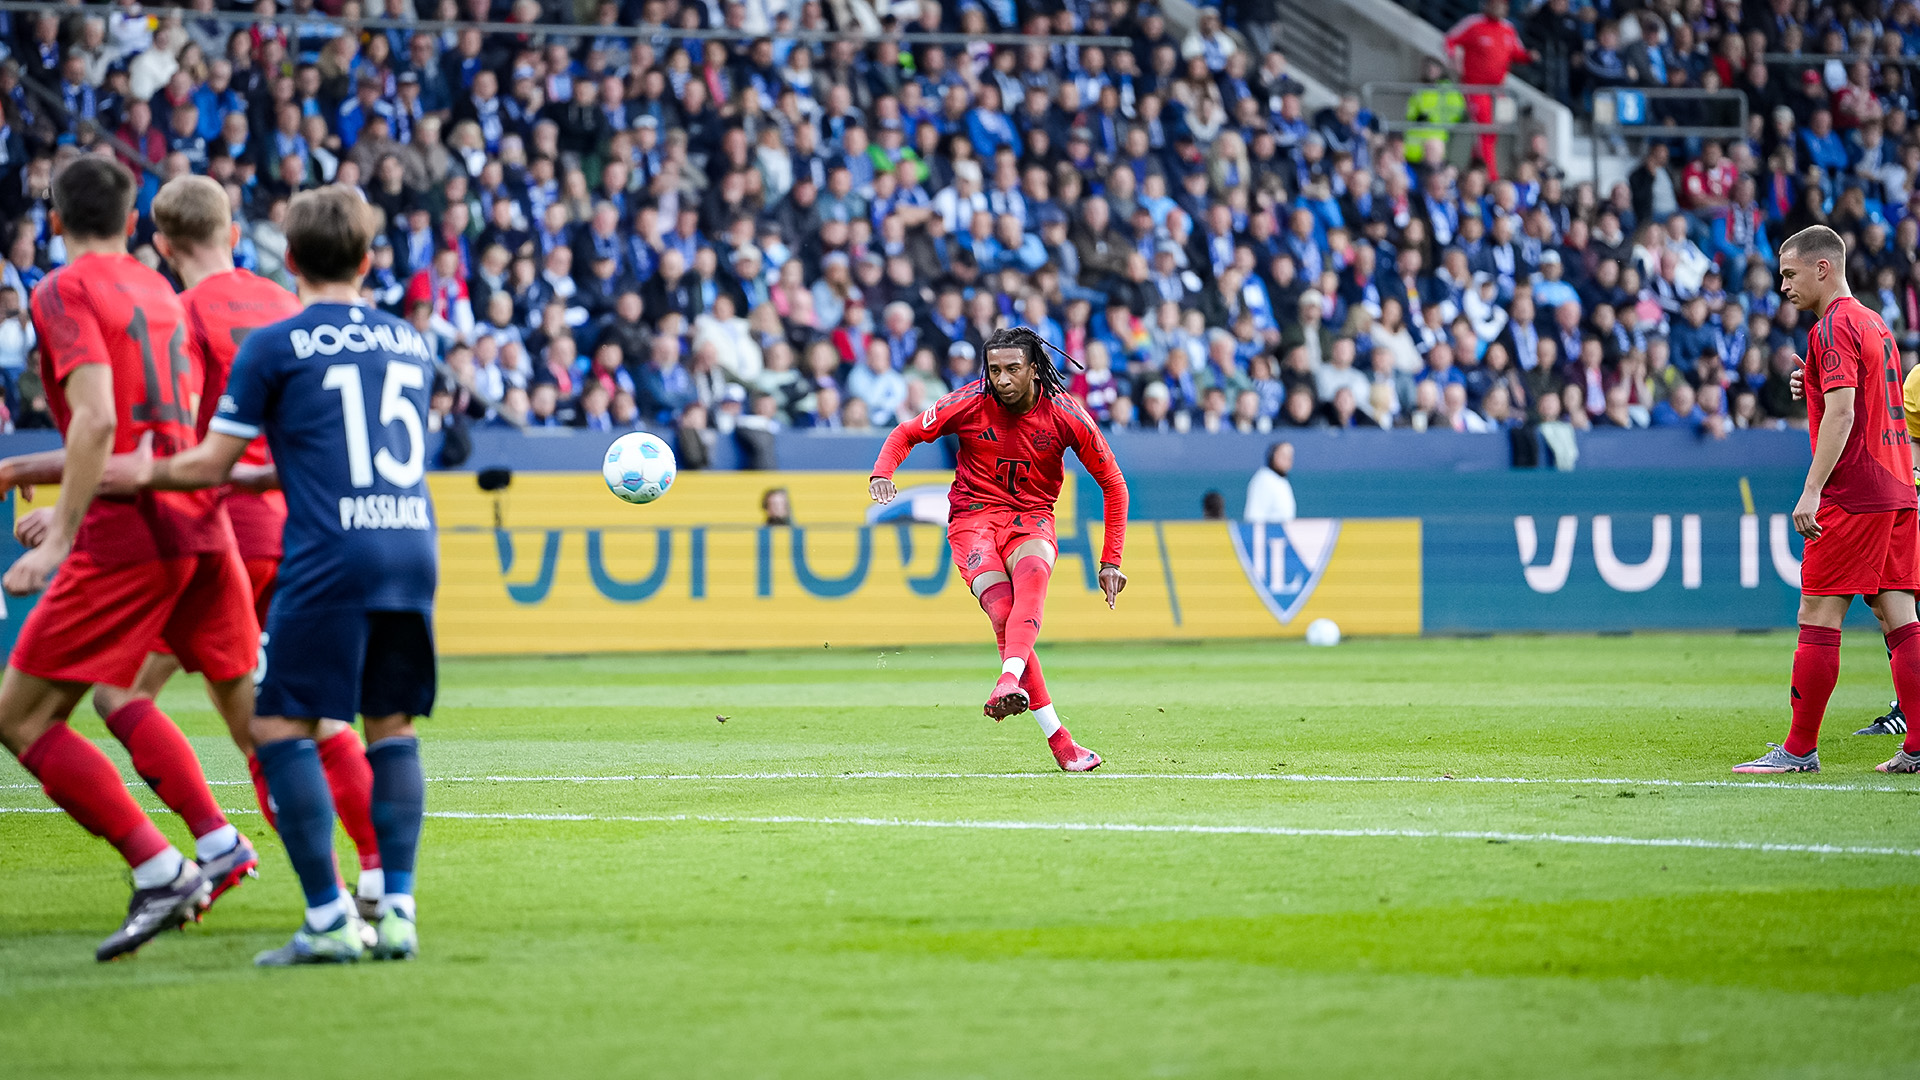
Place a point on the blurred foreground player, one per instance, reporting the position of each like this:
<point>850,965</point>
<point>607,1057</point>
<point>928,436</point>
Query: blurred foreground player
<point>1857,511</point>
<point>340,392</point>
<point>132,570</point>
<point>1014,428</point>
<point>223,305</point>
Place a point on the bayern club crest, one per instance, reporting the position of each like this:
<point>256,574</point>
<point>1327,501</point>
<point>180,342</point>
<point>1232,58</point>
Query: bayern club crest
<point>1284,562</point>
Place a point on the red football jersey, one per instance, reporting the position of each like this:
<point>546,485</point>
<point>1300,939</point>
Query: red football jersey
<point>111,310</point>
<point>221,311</point>
<point>1850,346</point>
<point>1015,461</point>
<point>1488,47</point>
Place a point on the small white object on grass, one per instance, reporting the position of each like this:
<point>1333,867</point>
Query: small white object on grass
<point>1324,633</point>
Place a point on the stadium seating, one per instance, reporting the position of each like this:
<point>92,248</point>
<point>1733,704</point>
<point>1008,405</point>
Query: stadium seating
<point>728,222</point>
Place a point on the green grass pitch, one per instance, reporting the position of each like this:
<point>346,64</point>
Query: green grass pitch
<point>715,915</point>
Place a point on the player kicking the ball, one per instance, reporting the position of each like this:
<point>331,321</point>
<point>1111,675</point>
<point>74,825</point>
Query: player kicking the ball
<point>132,570</point>
<point>340,392</point>
<point>1858,509</point>
<point>223,305</point>
<point>1014,428</point>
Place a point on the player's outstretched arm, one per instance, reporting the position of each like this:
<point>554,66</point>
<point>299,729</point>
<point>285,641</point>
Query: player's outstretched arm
<point>204,466</point>
<point>255,478</point>
<point>1092,449</point>
<point>24,471</point>
<point>89,438</point>
<point>900,442</point>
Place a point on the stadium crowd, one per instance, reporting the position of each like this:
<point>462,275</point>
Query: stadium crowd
<point>711,237</point>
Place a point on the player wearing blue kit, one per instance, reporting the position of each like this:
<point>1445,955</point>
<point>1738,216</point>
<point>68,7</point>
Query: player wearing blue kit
<point>340,391</point>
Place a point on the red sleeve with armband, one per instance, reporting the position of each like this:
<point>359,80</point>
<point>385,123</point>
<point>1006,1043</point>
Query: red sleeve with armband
<point>1091,447</point>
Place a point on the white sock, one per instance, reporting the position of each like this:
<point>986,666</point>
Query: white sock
<point>159,870</point>
<point>400,902</point>
<point>372,883</point>
<point>216,843</point>
<point>324,916</point>
<point>1015,666</point>
<point>1049,720</point>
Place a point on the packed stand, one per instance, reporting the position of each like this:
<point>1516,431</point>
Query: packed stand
<point>717,240</point>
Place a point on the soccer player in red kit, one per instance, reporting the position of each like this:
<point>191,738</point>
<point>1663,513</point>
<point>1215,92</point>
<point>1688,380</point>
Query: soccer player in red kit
<point>1857,511</point>
<point>196,234</point>
<point>1015,427</point>
<point>131,569</point>
<point>1486,46</point>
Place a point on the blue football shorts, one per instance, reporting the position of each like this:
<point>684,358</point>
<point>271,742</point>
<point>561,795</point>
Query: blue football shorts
<point>341,664</point>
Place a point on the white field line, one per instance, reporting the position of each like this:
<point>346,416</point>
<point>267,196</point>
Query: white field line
<point>1206,830</point>
<point>1289,778</point>
<point>1693,843</point>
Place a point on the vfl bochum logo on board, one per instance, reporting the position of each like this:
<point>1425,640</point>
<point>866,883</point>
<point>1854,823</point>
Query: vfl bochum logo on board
<point>1283,562</point>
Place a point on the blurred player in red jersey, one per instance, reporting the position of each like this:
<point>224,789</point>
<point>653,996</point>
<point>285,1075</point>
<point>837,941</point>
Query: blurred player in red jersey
<point>1485,46</point>
<point>1857,511</point>
<point>223,305</point>
<point>131,569</point>
<point>1015,428</point>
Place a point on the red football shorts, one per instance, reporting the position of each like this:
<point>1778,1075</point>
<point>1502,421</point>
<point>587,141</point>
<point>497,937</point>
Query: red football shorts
<point>1861,554</point>
<point>264,574</point>
<point>97,621</point>
<point>981,541</point>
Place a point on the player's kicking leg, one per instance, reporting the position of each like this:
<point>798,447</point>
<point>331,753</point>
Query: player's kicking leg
<point>1014,606</point>
<point>168,888</point>
<point>166,761</point>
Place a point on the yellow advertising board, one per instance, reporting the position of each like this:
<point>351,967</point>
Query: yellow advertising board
<point>556,565</point>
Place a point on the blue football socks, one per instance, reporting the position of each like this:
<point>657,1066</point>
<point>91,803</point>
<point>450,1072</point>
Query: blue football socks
<point>399,804</point>
<point>305,809</point>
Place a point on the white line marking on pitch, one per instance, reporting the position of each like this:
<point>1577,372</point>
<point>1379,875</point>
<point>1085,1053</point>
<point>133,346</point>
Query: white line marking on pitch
<point>1203,830</point>
<point>1289,778</point>
<point>1132,827</point>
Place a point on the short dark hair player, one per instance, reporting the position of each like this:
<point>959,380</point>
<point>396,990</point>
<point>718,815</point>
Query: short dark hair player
<point>1857,510</point>
<point>133,569</point>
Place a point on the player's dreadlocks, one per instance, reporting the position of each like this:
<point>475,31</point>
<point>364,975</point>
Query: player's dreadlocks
<point>1052,380</point>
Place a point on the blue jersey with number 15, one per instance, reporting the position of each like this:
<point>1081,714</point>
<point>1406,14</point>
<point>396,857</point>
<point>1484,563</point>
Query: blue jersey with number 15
<point>340,391</point>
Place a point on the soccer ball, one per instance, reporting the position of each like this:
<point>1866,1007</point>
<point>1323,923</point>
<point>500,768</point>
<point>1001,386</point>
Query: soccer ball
<point>1323,632</point>
<point>639,467</point>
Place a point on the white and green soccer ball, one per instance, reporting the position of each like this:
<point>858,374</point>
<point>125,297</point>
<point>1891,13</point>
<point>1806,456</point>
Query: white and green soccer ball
<point>639,467</point>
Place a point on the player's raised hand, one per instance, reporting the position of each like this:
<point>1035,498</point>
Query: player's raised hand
<point>30,573</point>
<point>1805,513</point>
<point>31,527</point>
<point>1797,382</point>
<point>882,490</point>
<point>1111,582</point>
<point>126,474</point>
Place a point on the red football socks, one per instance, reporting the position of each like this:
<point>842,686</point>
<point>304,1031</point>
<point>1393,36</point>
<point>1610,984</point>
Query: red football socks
<point>350,778</point>
<point>997,601</point>
<point>1030,576</point>
<point>1816,667</point>
<point>82,781</point>
<point>1903,649</point>
<point>260,792</point>
<point>165,760</point>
